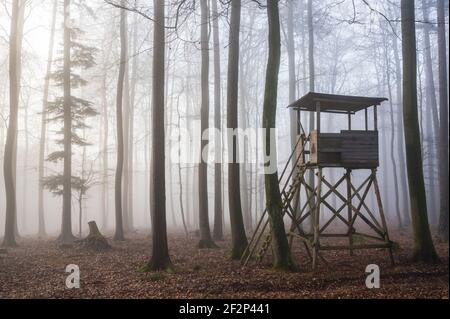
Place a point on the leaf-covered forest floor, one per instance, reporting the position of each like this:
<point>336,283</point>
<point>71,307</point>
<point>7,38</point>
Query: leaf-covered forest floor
<point>37,270</point>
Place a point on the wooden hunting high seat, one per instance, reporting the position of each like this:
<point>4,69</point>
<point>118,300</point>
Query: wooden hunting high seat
<point>303,196</point>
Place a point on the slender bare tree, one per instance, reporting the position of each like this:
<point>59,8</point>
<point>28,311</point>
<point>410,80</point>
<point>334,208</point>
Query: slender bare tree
<point>423,242</point>
<point>280,246</point>
<point>238,237</point>
<point>43,137</point>
<point>160,254</point>
<point>9,162</point>
<point>205,233</point>
<point>218,212</point>
<point>443,109</point>
<point>118,235</point>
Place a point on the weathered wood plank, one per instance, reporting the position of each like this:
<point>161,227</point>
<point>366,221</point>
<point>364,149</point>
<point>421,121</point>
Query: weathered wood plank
<point>355,247</point>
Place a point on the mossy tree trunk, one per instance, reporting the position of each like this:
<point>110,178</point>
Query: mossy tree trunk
<point>281,251</point>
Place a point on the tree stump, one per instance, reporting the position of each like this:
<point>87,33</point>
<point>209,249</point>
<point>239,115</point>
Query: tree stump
<point>95,240</point>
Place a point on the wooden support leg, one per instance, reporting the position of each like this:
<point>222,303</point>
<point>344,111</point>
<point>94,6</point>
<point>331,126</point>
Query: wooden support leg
<point>316,226</point>
<point>383,218</point>
<point>349,209</point>
<point>295,208</point>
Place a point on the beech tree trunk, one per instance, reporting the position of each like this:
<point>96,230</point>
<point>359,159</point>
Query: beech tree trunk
<point>291,66</point>
<point>218,212</point>
<point>292,87</point>
<point>205,234</point>
<point>104,152</point>
<point>431,116</point>
<point>126,134</point>
<point>400,137</point>
<point>238,237</point>
<point>392,134</point>
<point>244,165</point>
<point>160,253</point>
<point>133,84</point>
<point>180,179</point>
<point>423,244</point>
<point>312,88</point>
<point>443,127</point>
<point>9,162</point>
<point>280,246</point>
<point>118,235</point>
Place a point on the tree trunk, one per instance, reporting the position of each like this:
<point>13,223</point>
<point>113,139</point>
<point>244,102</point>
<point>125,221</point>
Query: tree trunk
<point>218,212</point>
<point>423,243</point>
<point>291,67</point>
<point>384,156</point>
<point>9,162</point>
<point>190,169</point>
<point>66,229</point>
<point>244,166</point>
<point>160,255</point>
<point>148,157</point>
<point>400,136</point>
<point>292,87</point>
<point>126,134</point>
<point>169,127</point>
<point>428,153</point>
<point>180,180</point>
<point>312,84</point>
<point>104,152</point>
<point>280,246</point>
<point>43,137</point>
<point>303,45</point>
<point>432,117</point>
<point>312,88</point>
<point>25,167</point>
<point>20,25</point>
<point>80,191</point>
<point>238,237</point>
<point>80,215</point>
<point>134,75</point>
<point>392,135</point>
<point>205,234</point>
<point>118,235</point>
<point>443,127</point>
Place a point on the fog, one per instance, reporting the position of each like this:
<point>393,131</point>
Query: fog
<point>353,54</point>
